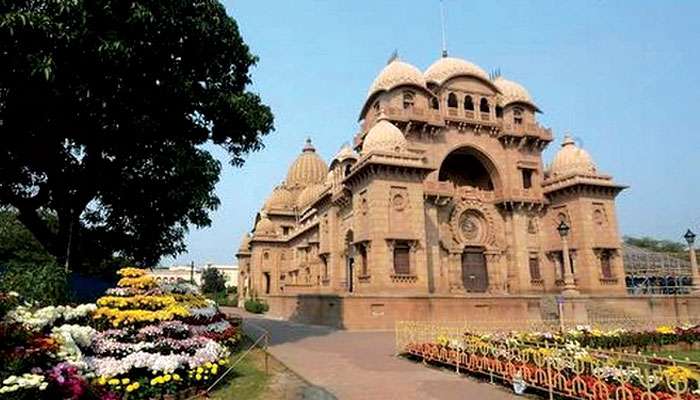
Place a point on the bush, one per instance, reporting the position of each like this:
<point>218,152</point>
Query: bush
<point>46,284</point>
<point>213,281</point>
<point>256,306</point>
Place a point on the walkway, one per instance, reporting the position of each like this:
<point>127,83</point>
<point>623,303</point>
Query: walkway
<point>361,365</point>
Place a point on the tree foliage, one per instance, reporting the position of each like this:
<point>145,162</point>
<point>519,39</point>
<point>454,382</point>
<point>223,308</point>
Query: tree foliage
<point>105,106</point>
<point>658,245</point>
<point>213,281</point>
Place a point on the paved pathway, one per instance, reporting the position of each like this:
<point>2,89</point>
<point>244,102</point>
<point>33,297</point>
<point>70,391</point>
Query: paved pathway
<point>361,365</point>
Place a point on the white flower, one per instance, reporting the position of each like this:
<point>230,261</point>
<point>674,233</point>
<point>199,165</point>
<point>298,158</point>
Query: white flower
<point>14,383</point>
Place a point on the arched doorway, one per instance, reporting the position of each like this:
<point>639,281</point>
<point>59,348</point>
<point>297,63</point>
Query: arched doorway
<point>474,273</point>
<point>349,260</point>
<point>467,166</point>
<point>266,282</point>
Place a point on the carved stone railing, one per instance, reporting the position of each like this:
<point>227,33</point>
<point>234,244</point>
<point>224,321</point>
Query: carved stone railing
<point>364,278</point>
<point>402,278</point>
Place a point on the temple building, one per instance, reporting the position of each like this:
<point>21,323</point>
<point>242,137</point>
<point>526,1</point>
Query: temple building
<point>443,194</point>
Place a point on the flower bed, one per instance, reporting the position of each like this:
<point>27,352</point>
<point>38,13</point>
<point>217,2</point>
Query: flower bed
<point>140,341</point>
<point>555,364</point>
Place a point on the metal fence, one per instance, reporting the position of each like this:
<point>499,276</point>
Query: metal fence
<point>548,369</point>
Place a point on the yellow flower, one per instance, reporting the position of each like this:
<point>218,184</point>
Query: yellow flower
<point>166,378</point>
<point>222,362</point>
<point>130,388</point>
<point>198,377</point>
<point>200,370</point>
<point>678,374</point>
<point>125,381</point>
<point>136,385</point>
<point>214,369</point>
<point>154,382</point>
<point>102,380</point>
<point>666,330</point>
<point>113,381</point>
<point>176,377</point>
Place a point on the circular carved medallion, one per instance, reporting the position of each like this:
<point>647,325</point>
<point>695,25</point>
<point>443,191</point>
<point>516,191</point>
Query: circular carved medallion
<point>399,202</point>
<point>470,226</point>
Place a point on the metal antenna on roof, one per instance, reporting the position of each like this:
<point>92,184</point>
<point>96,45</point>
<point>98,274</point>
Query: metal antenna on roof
<point>442,23</point>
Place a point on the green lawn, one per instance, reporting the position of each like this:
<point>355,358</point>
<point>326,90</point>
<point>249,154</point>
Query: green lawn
<point>248,379</point>
<point>681,355</point>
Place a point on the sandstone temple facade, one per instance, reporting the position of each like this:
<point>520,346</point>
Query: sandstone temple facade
<point>444,194</point>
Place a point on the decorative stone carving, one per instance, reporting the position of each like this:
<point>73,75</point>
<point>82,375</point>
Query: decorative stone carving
<point>472,224</point>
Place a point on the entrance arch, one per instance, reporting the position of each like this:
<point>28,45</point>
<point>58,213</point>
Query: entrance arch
<point>469,166</point>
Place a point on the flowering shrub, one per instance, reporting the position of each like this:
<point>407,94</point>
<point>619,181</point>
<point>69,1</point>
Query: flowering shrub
<point>140,341</point>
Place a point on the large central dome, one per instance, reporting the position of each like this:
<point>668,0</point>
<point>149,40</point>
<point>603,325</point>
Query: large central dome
<point>307,169</point>
<point>450,67</point>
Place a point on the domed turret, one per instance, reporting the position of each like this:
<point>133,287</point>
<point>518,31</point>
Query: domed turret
<point>308,195</point>
<point>384,136</point>
<point>245,244</point>
<point>265,226</point>
<point>571,160</point>
<point>396,73</point>
<point>513,92</point>
<point>280,199</point>
<point>307,169</point>
<point>450,67</point>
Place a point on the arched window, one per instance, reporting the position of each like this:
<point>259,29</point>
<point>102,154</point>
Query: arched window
<point>452,100</point>
<point>435,103</point>
<point>407,100</point>
<point>468,103</point>
<point>375,106</point>
<point>499,112</point>
<point>518,116</point>
<point>347,169</point>
<point>484,105</point>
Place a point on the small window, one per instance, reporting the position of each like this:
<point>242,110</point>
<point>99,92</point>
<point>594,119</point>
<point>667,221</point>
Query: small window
<point>527,178</point>
<point>347,169</point>
<point>606,264</point>
<point>407,100</point>
<point>535,268</point>
<point>285,230</point>
<point>452,100</point>
<point>435,103</point>
<point>402,264</point>
<point>499,112</point>
<point>363,258</point>
<point>484,105</point>
<point>518,116</point>
<point>468,103</point>
<point>375,106</point>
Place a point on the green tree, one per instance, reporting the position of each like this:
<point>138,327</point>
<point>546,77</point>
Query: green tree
<point>213,281</point>
<point>105,106</point>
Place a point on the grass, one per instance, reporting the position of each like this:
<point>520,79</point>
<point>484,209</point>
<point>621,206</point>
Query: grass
<point>681,355</point>
<point>248,379</point>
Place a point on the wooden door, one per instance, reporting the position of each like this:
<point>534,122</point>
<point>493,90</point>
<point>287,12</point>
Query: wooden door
<point>474,276</point>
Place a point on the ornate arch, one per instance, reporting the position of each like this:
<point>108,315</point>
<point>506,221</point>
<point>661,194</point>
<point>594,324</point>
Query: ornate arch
<point>481,155</point>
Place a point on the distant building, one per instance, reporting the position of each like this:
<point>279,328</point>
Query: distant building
<point>185,272</point>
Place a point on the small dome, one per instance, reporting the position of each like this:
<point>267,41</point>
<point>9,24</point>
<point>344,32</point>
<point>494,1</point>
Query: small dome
<point>512,92</point>
<point>307,169</point>
<point>396,73</point>
<point>570,160</point>
<point>384,136</point>
<point>344,153</point>
<point>449,67</point>
<point>245,244</point>
<point>308,195</point>
<point>265,226</point>
<point>280,198</point>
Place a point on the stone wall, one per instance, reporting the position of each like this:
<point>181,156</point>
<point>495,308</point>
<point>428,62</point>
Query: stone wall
<point>381,312</point>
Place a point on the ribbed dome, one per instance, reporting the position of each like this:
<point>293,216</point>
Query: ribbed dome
<point>280,198</point>
<point>308,195</point>
<point>245,244</point>
<point>384,136</point>
<point>307,169</point>
<point>570,160</point>
<point>449,67</point>
<point>265,226</point>
<point>396,73</point>
<point>512,92</point>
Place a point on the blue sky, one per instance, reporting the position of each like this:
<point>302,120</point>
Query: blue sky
<point>622,77</point>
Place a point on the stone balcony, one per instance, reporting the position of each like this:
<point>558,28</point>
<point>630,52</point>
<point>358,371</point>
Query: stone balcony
<point>531,129</point>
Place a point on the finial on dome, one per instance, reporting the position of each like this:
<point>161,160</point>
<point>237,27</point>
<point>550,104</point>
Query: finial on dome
<point>309,146</point>
<point>394,56</point>
<point>568,140</point>
<point>442,25</point>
